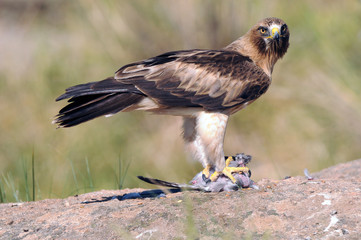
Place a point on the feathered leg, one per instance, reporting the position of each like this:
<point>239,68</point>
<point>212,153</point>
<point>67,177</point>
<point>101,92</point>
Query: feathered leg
<point>210,131</point>
<point>203,136</point>
<point>193,143</point>
<point>211,128</point>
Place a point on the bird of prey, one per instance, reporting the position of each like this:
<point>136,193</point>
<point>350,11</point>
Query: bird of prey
<point>205,87</point>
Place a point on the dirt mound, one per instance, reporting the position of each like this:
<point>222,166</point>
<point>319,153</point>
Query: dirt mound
<point>327,207</point>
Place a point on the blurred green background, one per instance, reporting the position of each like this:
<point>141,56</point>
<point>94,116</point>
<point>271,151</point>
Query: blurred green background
<point>309,118</point>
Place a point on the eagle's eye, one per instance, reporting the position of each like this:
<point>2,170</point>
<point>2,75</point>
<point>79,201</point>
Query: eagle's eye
<point>263,30</point>
<point>283,29</point>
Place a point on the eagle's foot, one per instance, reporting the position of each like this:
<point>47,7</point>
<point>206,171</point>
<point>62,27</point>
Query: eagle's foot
<point>215,176</point>
<point>228,171</point>
<point>206,170</point>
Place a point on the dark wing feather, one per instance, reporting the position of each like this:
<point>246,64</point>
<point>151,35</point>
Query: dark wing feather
<point>215,80</point>
<point>109,85</point>
<point>94,99</point>
<point>85,108</point>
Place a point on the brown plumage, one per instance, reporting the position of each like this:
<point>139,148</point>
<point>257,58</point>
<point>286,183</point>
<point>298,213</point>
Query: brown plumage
<point>203,86</point>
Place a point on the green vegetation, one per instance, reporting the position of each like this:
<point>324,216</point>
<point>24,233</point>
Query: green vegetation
<point>309,118</point>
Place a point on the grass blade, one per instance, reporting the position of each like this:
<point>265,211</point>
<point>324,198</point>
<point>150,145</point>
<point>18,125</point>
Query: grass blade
<point>26,184</point>
<point>90,180</point>
<point>121,173</point>
<point>9,181</point>
<point>2,192</point>
<point>74,177</point>
<point>33,174</point>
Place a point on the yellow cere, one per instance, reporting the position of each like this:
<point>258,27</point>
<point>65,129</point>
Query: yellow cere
<point>274,30</point>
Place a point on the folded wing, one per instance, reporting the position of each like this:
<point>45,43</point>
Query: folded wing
<point>214,80</point>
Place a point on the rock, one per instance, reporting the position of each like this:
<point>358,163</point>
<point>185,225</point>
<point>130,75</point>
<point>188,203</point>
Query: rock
<point>327,207</point>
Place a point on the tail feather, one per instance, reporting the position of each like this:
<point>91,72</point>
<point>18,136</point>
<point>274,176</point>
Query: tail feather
<point>91,100</point>
<point>171,184</point>
<point>78,102</point>
<point>159,182</point>
<point>106,86</point>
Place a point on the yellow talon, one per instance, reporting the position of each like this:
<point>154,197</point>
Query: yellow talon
<point>236,169</point>
<point>206,170</point>
<point>229,159</point>
<point>215,176</point>
<point>227,171</point>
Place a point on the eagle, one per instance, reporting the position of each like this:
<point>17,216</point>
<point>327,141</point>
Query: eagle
<point>204,87</point>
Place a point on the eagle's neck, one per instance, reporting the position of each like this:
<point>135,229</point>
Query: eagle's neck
<point>264,59</point>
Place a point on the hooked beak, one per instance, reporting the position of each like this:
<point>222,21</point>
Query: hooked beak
<point>275,33</point>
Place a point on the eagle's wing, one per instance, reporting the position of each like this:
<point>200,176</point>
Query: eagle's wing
<point>215,80</point>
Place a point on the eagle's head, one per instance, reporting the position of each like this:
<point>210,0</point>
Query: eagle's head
<point>270,37</point>
<point>264,43</point>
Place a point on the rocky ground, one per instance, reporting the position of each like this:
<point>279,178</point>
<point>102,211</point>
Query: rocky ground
<point>327,207</point>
